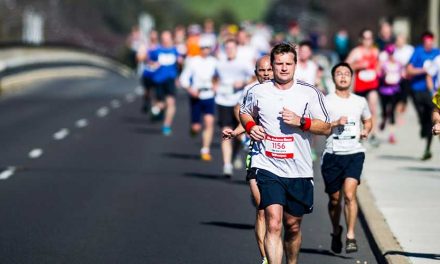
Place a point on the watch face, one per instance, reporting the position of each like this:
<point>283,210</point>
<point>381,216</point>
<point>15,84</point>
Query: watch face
<point>302,121</point>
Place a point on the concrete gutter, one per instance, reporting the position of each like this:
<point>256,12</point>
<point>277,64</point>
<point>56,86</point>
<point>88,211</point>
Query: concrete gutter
<point>382,235</point>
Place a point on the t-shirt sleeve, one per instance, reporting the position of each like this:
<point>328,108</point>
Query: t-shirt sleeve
<point>248,106</point>
<point>366,113</point>
<point>318,107</point>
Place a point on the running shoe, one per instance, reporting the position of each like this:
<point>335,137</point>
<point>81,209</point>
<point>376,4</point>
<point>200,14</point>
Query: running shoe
<point>350,246</point>
<point>392,139</point>
<point>264,261</point>
<point>206,157</point>
<point>227,170</point>
<point>426,156</point>
<point>337,241</point>
<point>374,141</point>
<point>166,131</point>
<point>238,164</point>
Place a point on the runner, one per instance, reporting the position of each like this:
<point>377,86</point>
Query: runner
<point>344,156</point>
<point>233,75</point>
<point>263,72</point>
<point>147,70</point>
<point>197,78</point>
<point>364,61</point>
<point>436,114</point>
<point>166,58</point>
<point>306,69</point>
<point>390,76</point>
<point>288,112</point>
<point>421,94</point>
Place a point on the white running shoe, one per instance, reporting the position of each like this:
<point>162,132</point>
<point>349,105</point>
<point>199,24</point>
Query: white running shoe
<point>227,170</point>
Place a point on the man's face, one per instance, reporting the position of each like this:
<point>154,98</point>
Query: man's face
<point>231,50</point>
<point>264,71</point>
<point>428,43</point>
<point>304,53</point>
<point>342,78</point>
<point>367,39</point>
<point>283,67</point>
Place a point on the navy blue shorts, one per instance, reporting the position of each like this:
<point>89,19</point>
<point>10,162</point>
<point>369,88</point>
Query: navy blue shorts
<point>226,116</point>
<point>294,194</point>
<point>336,168</point>
<point>200,108</point>
<point>166,88</point>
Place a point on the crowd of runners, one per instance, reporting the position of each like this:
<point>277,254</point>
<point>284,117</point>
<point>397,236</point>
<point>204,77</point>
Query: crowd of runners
<point>269,92</point>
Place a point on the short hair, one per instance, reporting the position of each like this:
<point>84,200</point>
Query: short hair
<point>341,64</point>
<point>362,32</point>
<point>307,43</point>
<point>427,34</point>
<point>281,48</point>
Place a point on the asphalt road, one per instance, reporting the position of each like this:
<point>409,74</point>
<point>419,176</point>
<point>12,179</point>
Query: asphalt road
<point>86,178</point>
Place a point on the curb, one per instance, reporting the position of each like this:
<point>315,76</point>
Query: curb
<point>389,248</point>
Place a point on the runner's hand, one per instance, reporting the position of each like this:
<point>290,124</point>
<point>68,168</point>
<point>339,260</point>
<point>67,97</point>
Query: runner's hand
<point>228,134</point>
<point>342,121</point>
<point>194,93</point>
<point>257,133</point>
<point>290,117</point>
<point>364,134</point>
<point>436,129</point>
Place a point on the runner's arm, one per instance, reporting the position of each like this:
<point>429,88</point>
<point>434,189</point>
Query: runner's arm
<point>413,71</point>
<point>367,124</point>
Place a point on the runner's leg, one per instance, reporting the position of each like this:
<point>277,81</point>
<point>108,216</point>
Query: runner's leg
<point>292,237</point>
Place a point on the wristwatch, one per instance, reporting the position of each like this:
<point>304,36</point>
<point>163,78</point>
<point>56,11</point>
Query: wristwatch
<point>302,122</point>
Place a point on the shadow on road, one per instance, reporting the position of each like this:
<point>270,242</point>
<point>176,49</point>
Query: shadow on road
<point>184,156</point>
<point>135,120</point>
<point>147,130</point>
<point>415,255</point>
<point>425,169</point>
<point>322,252</point>
<point>398,157</point>
<point>229,225</point>
<point>218,177</point>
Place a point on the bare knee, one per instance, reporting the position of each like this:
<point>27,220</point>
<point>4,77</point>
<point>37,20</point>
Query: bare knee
<point>334,199</point>
<point>350,198</point>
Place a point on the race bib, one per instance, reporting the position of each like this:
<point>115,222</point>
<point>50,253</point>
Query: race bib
<point>392,78</point>
<point>346,140</point>
<point>279,147</point>
<point>367,75</point>
<point>166,59</point>
<point>225,89</point>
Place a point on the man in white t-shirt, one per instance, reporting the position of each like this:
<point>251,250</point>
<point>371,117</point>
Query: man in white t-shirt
<point>344,156</point>
<point>288,111</point>
<point>306,69</point>
<point>233,75</point>
<point>197,78</point>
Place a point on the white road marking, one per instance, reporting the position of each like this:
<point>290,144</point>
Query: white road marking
<point>82,123</point>
<point>103,111</point>
<point>115,103</point>
<point>139,91</point>
<point>7,173</point>
<point>35,153</point>
<point>129,98</point>
<point>61,134</point>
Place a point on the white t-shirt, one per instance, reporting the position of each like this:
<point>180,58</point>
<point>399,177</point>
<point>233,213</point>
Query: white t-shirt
<point>307,73</point>
<point>345,139</point>
<point>286,150</point>
<point>229,72</point>
<point>246,89</point>
<point>198,73</point>
<point>403,54</point>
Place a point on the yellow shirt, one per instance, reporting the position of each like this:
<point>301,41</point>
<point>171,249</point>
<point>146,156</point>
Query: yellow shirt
<point>436,99</point>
